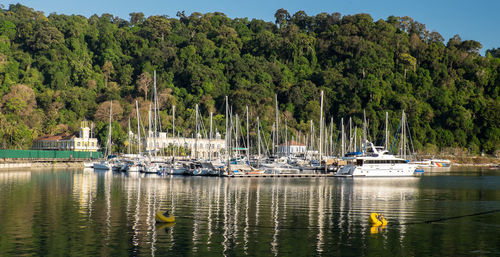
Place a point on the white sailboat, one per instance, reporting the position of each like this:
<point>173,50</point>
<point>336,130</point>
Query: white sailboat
<point>106,165</point>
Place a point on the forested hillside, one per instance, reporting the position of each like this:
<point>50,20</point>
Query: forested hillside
<point>56,70</point>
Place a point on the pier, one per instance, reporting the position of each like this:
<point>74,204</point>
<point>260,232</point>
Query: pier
<point>270,175</point>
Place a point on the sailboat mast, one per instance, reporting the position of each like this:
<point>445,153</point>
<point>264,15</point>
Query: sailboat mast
<point>231,124</point>
<point>401,140</point>
<point>148,142</point>
<point>331,150</point>
<point>286,138</point>
<point>365,132</point>
<point>355,137</point>
<point>276,133</point>
<point>321,128</point>
<point>403,125</point>
<point>342,147</point>
<point>312,132</point>
<point>227,130</point>
<point>129,139</point>
<point>138,128</point>
<point>386,131</point>
<point>349,149</point>
<point>155,102</point>
<point>210,138</point>
<point>325,145</point>
<point>248,140</point>
<point>196,135</point>
<point>108,146</point>
<point>173,133</point>
<point>237,138</point>
<point>258,139</point>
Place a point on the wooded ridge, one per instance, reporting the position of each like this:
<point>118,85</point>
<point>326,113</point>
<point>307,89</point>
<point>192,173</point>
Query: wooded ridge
<point>57,70</point>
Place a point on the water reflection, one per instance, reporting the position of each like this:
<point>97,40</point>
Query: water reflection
<point>85,191</point>
<point>114,213</point>
<point>14,177</point>
<point>231,214</point>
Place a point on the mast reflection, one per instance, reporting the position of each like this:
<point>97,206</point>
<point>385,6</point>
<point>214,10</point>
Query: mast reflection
<point>235,216</point>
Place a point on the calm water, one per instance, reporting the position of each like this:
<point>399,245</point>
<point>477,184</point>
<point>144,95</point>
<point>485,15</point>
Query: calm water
<point>80,212</point>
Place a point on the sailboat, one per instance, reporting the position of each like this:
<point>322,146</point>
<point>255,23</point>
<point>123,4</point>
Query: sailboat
<point>106,165</point>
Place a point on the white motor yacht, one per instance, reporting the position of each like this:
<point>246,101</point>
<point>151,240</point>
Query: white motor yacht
<point>376,163</point>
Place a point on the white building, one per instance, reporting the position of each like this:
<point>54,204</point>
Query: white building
<point>68,142</point>
<point>200,148</point>
<point>292,147</point>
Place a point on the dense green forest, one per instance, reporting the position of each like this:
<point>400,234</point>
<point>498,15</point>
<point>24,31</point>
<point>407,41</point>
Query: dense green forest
<point>57,70</point>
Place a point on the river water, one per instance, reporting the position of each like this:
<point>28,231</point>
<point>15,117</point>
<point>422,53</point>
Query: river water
<point>88,213</point>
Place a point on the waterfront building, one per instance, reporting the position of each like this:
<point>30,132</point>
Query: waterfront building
<point>66,142</point>
<point>292,147</point>
<point>198,147</point>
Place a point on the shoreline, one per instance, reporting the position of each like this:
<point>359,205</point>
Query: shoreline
<point>34,165</point>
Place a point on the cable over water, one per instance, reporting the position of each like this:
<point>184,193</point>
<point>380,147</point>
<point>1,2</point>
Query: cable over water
<point>451,218</point>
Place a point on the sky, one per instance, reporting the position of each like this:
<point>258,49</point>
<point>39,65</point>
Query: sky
<point>471,19</point>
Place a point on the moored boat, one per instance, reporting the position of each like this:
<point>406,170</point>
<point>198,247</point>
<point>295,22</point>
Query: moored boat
<point>440,163</point>
<point>377,163</point>
<point>104,165</point>
<point>88,165</point>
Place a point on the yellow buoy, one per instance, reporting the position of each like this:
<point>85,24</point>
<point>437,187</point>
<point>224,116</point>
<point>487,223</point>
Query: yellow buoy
<point>162,218</point>
<point>377,219</point>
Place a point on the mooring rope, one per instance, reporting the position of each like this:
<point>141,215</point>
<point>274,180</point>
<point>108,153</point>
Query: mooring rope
<point>451,218</point>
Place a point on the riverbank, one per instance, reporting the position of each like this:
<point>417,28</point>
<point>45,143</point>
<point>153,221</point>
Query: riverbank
<point>473,161</point>
<point>476,161</point>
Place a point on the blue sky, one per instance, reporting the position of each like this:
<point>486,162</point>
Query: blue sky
<point>472,19</point>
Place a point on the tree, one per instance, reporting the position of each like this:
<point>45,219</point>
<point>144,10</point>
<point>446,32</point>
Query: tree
<point>107,70</point>
<point>157,27</point>
<point>8,29</point>
<point>136,18</point>
<point>408,61</point>
<point>20,100</point>
<point>456,40</point>
<point>300,19</point>
<point>45,37</point>
<point>471,46</point>
<point>435,37</point>
<point>143,83</point>
<point>102,113</point>
<point>282,17</point>
<point>494,52</point>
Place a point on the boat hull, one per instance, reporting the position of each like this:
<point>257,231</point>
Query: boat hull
<point>102,166</point>
<point>440,164</point>
<point>396,170</point>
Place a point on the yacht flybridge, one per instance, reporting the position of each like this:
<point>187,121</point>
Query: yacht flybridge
<point>376,162</point>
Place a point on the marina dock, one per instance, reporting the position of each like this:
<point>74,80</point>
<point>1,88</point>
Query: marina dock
<point>270,175</point>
